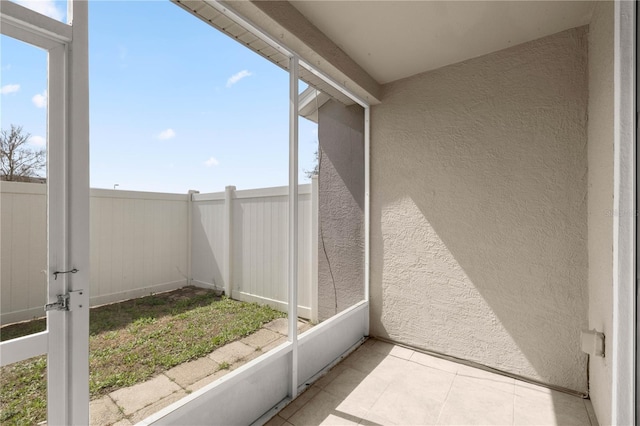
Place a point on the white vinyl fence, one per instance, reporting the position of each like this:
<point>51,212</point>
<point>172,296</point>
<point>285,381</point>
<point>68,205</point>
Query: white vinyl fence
<point>240,240</point>
<point>144,242</point>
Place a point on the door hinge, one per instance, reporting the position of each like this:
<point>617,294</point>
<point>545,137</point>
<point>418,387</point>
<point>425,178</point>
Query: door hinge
<point>66,302</point>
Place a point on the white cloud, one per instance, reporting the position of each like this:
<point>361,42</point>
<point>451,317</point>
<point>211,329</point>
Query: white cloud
<point>166,134</point>
<point>9,88</point>
<point>46,7</point>
<point>37,141</point>
<point>212,161</point>
<point>40,100</point>
<point>237,77</point>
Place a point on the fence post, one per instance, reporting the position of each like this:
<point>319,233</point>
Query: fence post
<point>313,280</point>
<point>190,232</point>
<point>227,275</point>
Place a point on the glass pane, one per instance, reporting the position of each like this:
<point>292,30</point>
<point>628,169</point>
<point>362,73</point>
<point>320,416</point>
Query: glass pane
<point>23,224</point>
<point>196,283</point>
<point>339,167</point>
<point>55,9</point>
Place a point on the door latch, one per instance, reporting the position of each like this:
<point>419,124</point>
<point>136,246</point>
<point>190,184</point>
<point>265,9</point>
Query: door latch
<point>62,304</point>
<point>67,302</point>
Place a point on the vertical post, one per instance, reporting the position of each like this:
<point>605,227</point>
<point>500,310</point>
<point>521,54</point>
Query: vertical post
<point>77,217</point>
<point>293,223</point>
<point>190,234</point>
<point>315,203</point>
<point>367,212</point>
<point>227,273</point>
<point>623,398</point>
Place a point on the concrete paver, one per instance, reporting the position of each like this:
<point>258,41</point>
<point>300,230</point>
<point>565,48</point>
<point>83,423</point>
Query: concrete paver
<point>261,338</point>
<point>192,371</point>
<point>128,406</point>
<point>205,381</point>
<point>104,411</point>
<point>280,325</point>
<point>157,406</point>
<point>231,353</point>
<point>136,397</point>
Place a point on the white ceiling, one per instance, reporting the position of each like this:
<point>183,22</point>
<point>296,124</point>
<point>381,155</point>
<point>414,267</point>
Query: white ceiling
<point>397,39</point>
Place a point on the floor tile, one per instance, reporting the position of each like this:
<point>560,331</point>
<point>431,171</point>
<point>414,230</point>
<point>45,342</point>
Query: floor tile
<point>471,402</point>
<point>486,378</point>
<point>275,421</point>
<point>358,390</point>
<point>416,396</point>
<point>322,409</point>
<point>434,362</point>
<point>590,412</point>
<point>545,406</point>
<point>299,402</point>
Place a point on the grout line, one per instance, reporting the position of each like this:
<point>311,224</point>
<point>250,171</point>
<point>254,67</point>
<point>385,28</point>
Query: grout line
<point>446,398</point>
<point>513,411</point>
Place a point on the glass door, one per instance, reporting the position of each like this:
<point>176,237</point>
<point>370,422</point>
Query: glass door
<point>44,217</point>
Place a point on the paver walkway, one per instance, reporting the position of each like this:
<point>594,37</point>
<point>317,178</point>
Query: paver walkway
<point>130,405</point>
<point>384,384</point>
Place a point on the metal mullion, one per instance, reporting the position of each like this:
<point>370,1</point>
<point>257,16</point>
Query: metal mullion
<point>29,21</point>
<point>293,223</point>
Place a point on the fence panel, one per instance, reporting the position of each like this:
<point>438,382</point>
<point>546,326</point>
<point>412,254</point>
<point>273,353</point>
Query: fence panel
<point>257,253</point>
<point>140,244</point>
<point>23,250</point>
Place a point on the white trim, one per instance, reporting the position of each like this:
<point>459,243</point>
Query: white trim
<point>23,188</point>
<point>315,206</point>
<point>264,36</point>
<point>293,224</point>
<point>367,208</point>
<point>57,210</point>
<point>249,26</point>
<point>22,348</point>
<point>227,240</point>
<point>623,339</point>
<point>16,16</point>
<point>137,195</point>
<point>214,196</point>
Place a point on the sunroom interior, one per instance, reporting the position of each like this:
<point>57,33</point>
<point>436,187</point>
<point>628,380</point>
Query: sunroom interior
<point>475,158</point>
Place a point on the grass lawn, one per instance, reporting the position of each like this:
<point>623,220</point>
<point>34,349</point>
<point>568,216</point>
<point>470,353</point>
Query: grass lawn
<point>130,342</point>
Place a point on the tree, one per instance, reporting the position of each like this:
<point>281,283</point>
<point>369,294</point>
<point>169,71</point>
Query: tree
<point>18,162</point>
<point>316,168</point>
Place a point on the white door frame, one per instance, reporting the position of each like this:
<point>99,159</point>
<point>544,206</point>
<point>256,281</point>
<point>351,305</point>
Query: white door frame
<point>66,340</point>
<point>623,361</point>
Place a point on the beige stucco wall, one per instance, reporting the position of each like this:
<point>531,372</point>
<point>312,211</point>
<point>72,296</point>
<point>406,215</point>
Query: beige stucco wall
<point>600,159</point>
<point>479,210</point>
<point>341,208</point>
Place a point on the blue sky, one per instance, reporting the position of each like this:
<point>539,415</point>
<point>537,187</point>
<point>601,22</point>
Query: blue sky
<point>174,103</point>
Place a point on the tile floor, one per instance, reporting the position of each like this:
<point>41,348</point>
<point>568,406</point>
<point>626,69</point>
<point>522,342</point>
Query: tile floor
<point>383,384</point>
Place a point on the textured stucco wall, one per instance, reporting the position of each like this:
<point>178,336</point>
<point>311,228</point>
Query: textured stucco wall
<point>479,210</point>
<point>341,208</point>
<point>600,158</point>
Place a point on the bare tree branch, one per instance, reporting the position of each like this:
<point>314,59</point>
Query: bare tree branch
<point>19,162</point>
